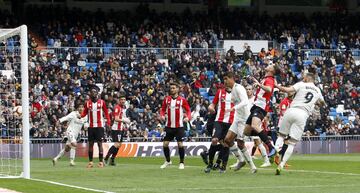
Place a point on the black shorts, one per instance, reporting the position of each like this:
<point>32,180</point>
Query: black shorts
<point>256,111</point>
<point>171,133</point>
<point>96,134</point>
<point>117,135</point>
<point>221,130</point>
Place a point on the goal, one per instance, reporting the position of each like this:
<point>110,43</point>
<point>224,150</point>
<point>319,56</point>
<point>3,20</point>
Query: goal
<point>14,104</point>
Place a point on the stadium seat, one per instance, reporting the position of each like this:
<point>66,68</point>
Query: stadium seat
<point>91,65</point>
<point>202,90</point>
<point>211,98</point>
<point>332,113</point>
<point>307,62</point>
<point>205,95</point>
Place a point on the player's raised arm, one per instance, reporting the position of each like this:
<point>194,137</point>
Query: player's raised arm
<point>66,118</point>
<point>289,89</point>
<point>266,86</point>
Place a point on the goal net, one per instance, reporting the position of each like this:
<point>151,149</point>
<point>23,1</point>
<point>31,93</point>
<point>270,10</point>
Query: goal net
<point>14,104</point>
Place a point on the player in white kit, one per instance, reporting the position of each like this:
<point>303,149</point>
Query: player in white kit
<point>307,95</point>
<point>242,111</point>
<point>71,134</point>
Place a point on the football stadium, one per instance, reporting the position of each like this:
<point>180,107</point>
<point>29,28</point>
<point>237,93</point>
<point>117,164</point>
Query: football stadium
<point>179,96</point>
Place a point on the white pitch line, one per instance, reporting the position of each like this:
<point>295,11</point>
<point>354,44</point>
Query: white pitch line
<point>239,188</point>
<point>71,186</point>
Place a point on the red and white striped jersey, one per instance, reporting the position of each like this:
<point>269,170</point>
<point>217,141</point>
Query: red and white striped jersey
<point>120,112</point>
<point>174,110</point>
<point>96,112</point>
<point>223,102</point>
<point>262,98</point>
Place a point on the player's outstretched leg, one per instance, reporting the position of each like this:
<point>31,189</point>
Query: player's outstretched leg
<point>61,153</point>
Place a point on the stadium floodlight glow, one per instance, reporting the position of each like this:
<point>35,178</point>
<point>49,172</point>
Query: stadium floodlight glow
<point>14,124</point>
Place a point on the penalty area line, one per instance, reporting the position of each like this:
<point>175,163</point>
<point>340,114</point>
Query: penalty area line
<point>71,186</point>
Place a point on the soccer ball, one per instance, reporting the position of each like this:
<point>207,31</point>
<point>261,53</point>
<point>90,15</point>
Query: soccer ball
<point>18,111</point>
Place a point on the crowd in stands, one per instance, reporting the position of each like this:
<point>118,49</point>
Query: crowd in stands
<point>62,27</point>
<point>59,80</point>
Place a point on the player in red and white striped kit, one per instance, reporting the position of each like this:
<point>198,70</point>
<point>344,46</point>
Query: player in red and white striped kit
<point>172,112</point>
<point>118,129</point>
<point>262,105</point>
<point>96,109</point>
<point>224,118</point>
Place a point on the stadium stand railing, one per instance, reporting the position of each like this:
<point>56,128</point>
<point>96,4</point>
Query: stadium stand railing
<point>124,51</point>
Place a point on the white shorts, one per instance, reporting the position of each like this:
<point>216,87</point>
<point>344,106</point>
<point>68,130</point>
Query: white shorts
<point>293,123</point>
<point>238,127</point>
<point>71,138</point>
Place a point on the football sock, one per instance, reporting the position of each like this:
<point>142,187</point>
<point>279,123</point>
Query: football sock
<point>101,156</point>
<point>114,154</point>
<point>212,152</point>
<point>279,143</point>
<point>263,136</point>
<point>263,152</point>
<point>283,150</point>
<point>181,154</point>
<point>253,150</point>
<point>110,152</point>
<point>61,153</point>
<point>72,153</point>
<point>167,153</point>
<point>235,150</point>
<point>287,154</point>
<point>91,155</point>
<point>225,155</point>
<point>248,157</point>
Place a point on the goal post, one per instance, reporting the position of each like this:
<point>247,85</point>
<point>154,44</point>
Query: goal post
<point>15,126</point>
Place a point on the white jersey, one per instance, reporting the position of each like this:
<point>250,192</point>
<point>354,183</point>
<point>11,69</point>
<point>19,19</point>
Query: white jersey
<point>307,94</point>
<point>241,102</point>
<point>75,124</point>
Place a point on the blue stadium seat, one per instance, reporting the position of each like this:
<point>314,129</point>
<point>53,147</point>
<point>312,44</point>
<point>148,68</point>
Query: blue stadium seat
<point>91,65</point>
<point>307,62</point>
<point>332,113</point>
<point>202,90</point>
<point>204,95</point>
<point>293,67</point>
<point>339,68</point>
<point>211,98</point>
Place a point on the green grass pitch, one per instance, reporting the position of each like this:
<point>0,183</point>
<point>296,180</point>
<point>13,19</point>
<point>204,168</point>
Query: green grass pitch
<point>308,173</point>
